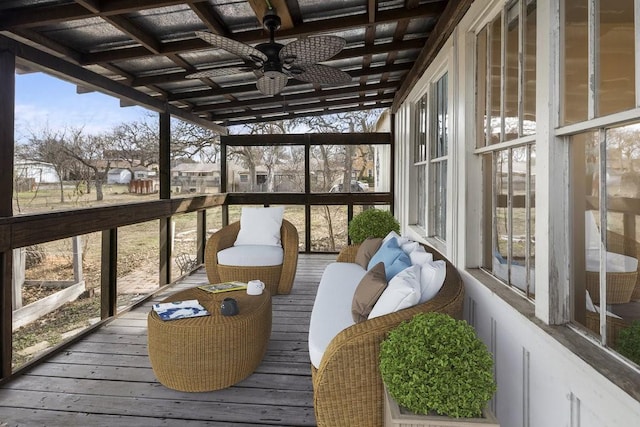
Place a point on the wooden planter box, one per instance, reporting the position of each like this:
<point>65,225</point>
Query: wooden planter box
<point>395,416</point>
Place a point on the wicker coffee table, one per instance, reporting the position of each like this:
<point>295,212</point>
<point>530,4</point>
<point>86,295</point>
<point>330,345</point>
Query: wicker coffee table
<point>211,352</point>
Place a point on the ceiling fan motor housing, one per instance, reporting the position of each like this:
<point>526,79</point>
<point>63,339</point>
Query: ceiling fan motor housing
<point>272,64</point>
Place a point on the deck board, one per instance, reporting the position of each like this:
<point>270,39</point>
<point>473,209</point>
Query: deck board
<point>106,379</point>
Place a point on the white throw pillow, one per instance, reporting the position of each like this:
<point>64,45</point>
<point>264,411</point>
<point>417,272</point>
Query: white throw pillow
<point>402,292</point>
<point>260,226</point>
<point>432,275</point>
<point>401,239</point>
<point>420,256</point>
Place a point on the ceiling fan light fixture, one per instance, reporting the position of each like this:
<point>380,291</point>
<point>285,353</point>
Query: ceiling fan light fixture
<point>273,84</point>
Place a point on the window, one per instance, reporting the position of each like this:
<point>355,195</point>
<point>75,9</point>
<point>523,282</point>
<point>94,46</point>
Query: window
<point>604,162</point>
<point>438,161</point>
<point>505,111</point>
<point>609,61</point>
<point>430,151</point>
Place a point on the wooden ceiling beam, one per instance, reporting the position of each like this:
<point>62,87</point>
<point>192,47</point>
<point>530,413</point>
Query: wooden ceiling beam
<point>294,10</point>
<point>260,8</point>
<point>51,14</point>
<point>284,99</point>
<point>447,22</point>
<point>176,77</point>
<point>210,18</point>
<point>288,116</point>
<point>307,29</point>
<point>314,104</point>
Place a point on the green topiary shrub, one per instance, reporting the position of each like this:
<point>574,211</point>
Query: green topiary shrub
<point>372,223</point>
<point>434,363</point>
<point>629,342</point>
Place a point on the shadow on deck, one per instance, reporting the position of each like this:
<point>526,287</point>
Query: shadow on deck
<point>106,378</point>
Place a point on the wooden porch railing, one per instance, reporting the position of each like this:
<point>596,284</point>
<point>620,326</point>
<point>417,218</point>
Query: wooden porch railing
<point>27,230</point>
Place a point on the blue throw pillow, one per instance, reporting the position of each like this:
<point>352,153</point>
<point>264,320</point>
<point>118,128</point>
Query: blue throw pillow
<point>393,258</point>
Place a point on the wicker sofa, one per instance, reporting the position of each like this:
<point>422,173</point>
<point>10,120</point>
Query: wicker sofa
<point>277,278</point>
<point>347,385</point>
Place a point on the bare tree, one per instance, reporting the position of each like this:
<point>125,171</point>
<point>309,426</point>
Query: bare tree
<point>190,141</point>
<point>89,151</point>
<point>46,145</point>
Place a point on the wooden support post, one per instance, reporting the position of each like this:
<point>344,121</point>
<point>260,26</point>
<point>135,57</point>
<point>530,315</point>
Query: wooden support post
<point>392,161</point>
<point>6,319</point>
<point>223,179</point>
<point>307,191</point>
<point>165,193</point>
<point>165,251</point>
<point>109,273</point>
<point>201,234</point>
<point>165,156</point>
<point>7,120</point>
<point>17,280</point>
<point>76,243</point>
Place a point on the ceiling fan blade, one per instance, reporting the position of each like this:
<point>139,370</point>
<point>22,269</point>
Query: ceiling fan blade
<point>237,48</point>
<point>318,73</point>
<point>272,84</point>
<point>310,50</point>
<point>218,72</point>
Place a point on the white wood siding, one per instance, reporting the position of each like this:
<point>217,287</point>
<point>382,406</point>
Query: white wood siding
<point>542,381</point>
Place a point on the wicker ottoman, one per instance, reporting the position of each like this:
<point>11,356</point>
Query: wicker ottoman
<point>211,352</point>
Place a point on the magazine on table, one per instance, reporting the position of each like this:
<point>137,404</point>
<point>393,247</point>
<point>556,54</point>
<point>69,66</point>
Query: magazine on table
<point>214,288</point>
<point>180,309</point>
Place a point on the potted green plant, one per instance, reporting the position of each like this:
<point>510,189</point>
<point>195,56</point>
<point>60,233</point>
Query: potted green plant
<point>436,372</point>
<point>628,343</point>
<point>372,223</point>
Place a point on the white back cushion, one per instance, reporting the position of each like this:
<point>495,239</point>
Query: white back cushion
<point>260,226</point>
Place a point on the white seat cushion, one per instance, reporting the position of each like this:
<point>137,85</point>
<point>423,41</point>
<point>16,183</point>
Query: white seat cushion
<point>332,308</point>
<point>251,256</point>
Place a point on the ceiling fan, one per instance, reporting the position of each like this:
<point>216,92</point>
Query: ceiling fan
<point>274,63</point>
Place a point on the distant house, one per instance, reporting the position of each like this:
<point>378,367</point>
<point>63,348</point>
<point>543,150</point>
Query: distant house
<point>195,178</point>
<point>118,176</point>
<point>36,171</point>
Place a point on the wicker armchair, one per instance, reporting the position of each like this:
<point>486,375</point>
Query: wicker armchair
<point>347,387</point>
<point>278,278</point>
<point>621,287</point>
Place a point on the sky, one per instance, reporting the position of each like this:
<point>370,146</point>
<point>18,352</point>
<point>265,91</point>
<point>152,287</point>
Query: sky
<point>44,102</point>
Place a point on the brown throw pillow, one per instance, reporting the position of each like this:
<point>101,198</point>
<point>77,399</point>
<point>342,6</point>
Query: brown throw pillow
<point>366,250</point>
<point>368,291</point>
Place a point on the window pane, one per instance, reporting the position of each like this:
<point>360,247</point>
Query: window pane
<point>576,67</point>
<point>511,122</point>
<point>529,71</point>
<point>420,152</point>
<point>481,88</point>
<point>623,194</point>
<point>500,216</point>
<point>519,176</point>
<point>532,219</point>
<point>439,199</point>
<point>585,160</point>
<point>616,61</point>
<point>496,65</point>
<point>440,121</point>
<point>421,196</point>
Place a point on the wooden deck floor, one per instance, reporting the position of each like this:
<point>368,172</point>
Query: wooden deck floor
<point>106,379</point>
